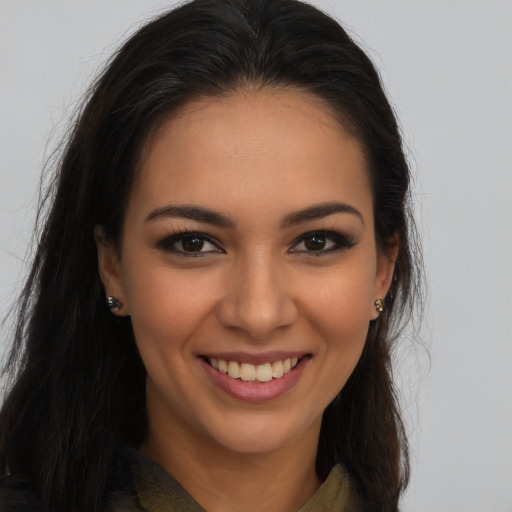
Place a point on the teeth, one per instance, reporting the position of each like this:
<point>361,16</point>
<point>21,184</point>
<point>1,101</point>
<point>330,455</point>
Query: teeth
<point>250,372</point>
<point>277,369</point>
<point>247,371</point>
<point>264,372</point>
<point>233,369</point>
<point>223,366</point>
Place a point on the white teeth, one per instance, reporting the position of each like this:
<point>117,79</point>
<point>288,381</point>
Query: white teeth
<point>277,369</point>
<point>223,366</point>
<point>233,369</point>
<point>247,371</point>
<point>264,372</point>
<point>250,372</point>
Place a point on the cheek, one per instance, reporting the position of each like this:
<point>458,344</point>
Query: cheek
<point>341,301</point>
<point>340,311</point>
<point>165,307</point>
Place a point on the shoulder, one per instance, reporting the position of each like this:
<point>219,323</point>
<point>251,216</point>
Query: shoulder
<point>16,495</point>
<point>147,486</point>
<point>336,494</point>
<point>121,495</point>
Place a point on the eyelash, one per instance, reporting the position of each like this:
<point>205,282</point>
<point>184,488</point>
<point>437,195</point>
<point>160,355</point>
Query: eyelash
<point>339,243</point>
<point>167,244</point>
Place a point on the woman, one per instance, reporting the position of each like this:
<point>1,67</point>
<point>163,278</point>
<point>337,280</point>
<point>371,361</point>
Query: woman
<point>225,264</point>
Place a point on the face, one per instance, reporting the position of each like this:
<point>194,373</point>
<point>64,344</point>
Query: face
<point>249,268</point>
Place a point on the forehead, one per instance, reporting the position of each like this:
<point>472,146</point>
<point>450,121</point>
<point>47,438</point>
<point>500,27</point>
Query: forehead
<point>267,145</point>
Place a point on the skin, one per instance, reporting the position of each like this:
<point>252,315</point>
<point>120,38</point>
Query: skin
<point>255,286</point>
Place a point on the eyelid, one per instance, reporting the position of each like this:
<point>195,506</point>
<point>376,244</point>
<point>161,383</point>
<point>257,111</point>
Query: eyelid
<point>341,241</point>
<point>166,244</point>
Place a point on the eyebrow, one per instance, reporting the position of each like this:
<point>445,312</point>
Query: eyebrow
<point>319,211</point>
<point>201,214</point>
<point>197,213</point>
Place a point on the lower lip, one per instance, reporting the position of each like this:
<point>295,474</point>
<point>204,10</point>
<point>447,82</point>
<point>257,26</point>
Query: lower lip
<point>254,391</point>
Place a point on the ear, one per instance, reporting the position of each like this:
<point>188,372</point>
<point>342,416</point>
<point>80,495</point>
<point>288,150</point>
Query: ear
<point>384,272</point>
<point>109,266</point>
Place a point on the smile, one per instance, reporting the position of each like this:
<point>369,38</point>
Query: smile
<point>250,372</point>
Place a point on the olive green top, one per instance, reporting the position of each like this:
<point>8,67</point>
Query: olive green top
<point>154,490</point>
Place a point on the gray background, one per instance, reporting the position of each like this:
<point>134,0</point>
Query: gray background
<point>447,66</point>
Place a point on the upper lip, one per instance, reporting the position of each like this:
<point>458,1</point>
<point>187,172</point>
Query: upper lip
<point>255,359</point>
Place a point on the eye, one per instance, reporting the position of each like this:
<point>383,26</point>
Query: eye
<point>321,242</point>
<point>189,244</point>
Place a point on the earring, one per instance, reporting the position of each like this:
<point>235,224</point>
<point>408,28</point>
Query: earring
<point>379,305</point>
<point>114,303</point>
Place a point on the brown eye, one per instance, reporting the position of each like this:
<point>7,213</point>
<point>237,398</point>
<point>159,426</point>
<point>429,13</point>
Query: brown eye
<point>315,243</point>
<point>189,244</point>
<point>192,243</point>
<point>321,242</point>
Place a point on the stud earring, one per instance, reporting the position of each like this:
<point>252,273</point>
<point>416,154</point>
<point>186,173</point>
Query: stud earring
<point>114,303</point>
<point>379,305</point>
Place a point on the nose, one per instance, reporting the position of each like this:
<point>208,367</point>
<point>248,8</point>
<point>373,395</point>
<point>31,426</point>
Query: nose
<point>258,299</point>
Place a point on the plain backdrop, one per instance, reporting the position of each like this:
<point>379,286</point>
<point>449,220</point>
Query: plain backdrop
<point>447,67</point>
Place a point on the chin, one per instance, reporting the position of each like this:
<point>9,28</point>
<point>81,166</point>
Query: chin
<point>261,434</point>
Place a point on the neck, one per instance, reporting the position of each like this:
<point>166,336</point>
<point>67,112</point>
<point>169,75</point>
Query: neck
<point>222,480</point>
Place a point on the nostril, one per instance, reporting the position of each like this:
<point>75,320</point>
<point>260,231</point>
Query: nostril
<point>257,314</point>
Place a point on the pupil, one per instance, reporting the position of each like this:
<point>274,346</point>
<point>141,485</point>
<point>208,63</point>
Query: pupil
<point>192,243</point>
<point>315,243</point>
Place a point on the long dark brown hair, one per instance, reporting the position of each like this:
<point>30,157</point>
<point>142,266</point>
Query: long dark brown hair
<point>77,391</point>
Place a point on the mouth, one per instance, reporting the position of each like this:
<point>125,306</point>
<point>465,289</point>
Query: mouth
<point>248,372</point>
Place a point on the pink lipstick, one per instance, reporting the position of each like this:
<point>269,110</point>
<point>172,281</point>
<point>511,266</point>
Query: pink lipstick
<point>252,377</point>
